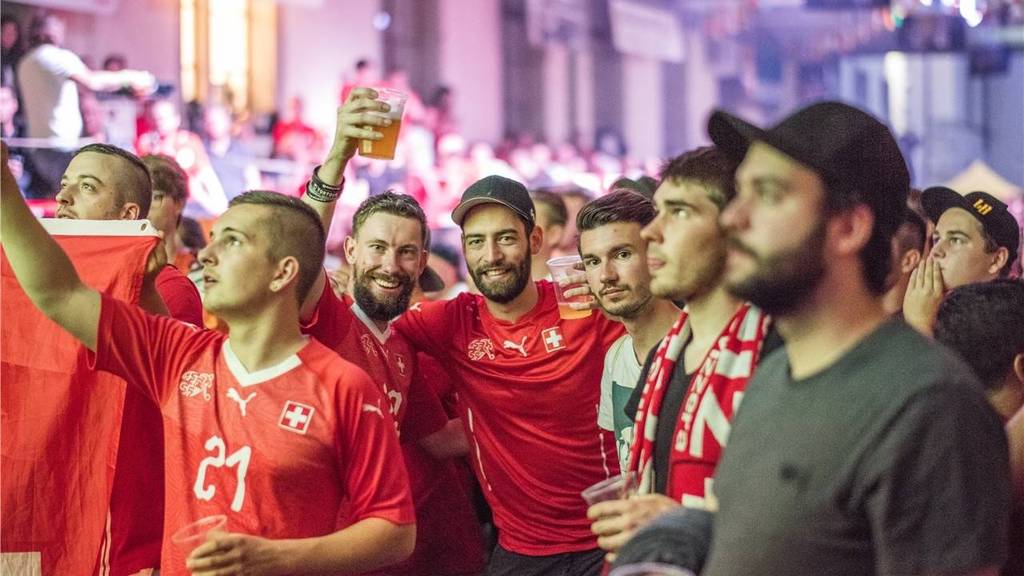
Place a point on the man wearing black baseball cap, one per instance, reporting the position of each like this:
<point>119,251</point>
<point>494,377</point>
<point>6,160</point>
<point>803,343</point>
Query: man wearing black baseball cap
<point>529,383</point>
<point>862,447</point>
<point>976,240</point>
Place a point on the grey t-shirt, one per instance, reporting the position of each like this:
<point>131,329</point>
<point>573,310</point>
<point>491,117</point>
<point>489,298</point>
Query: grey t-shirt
<point>889,462</point>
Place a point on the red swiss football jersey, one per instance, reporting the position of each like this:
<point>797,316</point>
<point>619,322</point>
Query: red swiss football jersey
<point>342,326</point>
<point>530,390</point>
<point>255,446</point>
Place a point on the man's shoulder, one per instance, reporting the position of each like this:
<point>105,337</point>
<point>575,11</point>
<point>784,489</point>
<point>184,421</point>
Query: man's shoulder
<point>622,345</point>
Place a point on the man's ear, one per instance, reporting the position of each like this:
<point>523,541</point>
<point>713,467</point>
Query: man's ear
<point>130,211</point>
<point>536,240</point>
<point>850,231</point>
<point>999,258</point>
<point>910,261</point>
<point>1018,367</point>
<point>287,273</point>
<point>350,250</point>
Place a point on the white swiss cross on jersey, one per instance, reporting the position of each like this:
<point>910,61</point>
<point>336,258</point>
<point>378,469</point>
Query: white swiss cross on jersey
<point>296,417</point>
<point>553,339</point>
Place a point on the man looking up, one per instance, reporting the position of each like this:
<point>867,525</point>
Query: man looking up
<point>285,407</point>
<point>700,371</point>
<point>615,260</point>
<point>862,448</point>
<point>975,240</point>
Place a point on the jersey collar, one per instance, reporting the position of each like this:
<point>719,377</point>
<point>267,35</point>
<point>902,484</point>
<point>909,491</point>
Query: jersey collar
<point>246,378</point>
<point>381,337</point>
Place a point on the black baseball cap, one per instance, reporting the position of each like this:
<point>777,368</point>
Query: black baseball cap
<point>989,210</point>
<point>853,152</point>
<point>496,190</point>
<point>430,280</point>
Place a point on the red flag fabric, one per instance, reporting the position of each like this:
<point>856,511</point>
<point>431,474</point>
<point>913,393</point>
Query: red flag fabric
<point>60,421</point>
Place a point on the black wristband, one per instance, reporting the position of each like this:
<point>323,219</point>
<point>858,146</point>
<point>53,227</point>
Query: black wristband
<point>320,191</point>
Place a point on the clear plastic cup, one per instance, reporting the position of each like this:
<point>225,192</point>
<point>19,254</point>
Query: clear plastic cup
<point>614,488</point>
<point>191,536</point>
<point>650,569</point>
<point>561,268</point>
<point>384,149</point>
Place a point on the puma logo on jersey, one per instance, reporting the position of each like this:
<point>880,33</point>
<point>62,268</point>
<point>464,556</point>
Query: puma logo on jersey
<point>233,394</point>
<point>195,383</point>
<point>521,347</point>
<point>374,409</point>
<point>368,346</point>
<point>479,348</point>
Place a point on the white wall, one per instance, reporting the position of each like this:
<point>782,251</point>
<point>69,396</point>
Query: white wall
<point>471,64</point>
<point>318,43</point>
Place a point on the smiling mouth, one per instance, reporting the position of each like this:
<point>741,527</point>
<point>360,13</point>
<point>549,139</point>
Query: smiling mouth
<point>386,283</point>
<point>495,273</point>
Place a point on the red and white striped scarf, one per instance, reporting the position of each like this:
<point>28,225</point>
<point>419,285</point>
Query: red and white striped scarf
<point>705,417</point>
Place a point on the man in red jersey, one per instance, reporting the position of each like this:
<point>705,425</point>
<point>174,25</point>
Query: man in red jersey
<point>530,385</point>
<point>256,424</point>
<point>387,252</point>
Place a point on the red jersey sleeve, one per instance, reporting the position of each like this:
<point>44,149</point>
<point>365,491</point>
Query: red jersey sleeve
<point>376,482</point>
<point>429,326</point>
<point>180,296</point>
<point>148,351</point>
<point>330,323</point>
<point>424,414</point>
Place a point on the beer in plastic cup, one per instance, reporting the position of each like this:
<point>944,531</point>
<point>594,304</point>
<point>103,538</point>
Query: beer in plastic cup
<point>650,569</point>
<point>614,488</point>
<point>384,149</point>
<point>191,536</point>
<point>561,268</point>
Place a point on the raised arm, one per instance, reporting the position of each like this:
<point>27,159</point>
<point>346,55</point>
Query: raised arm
<point>355,119</point>
<point>103,81</point>
<point>42,268</point>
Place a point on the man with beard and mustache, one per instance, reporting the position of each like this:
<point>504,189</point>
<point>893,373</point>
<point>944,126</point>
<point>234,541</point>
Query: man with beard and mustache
<point>529,387</point>
<point>862,447</point>
<point>694,381</point>
<point>387,252</point>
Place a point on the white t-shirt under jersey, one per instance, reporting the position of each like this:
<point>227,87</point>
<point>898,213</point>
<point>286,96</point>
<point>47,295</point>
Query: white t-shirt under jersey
<point>621,372</point>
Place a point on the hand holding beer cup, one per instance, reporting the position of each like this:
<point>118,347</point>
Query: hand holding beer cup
<point>362,118</point>
<point>571,291</point>
<point>383,148</point>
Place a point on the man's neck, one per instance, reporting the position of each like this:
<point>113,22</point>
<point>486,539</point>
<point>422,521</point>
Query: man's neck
<point>651,325</point>
<point>518,307</point>
<point>266,338</point>
<point>710,312</point>
<point>836,317</point>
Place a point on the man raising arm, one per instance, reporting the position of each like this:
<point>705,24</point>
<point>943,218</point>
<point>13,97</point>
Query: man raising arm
<point>286,407</point>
